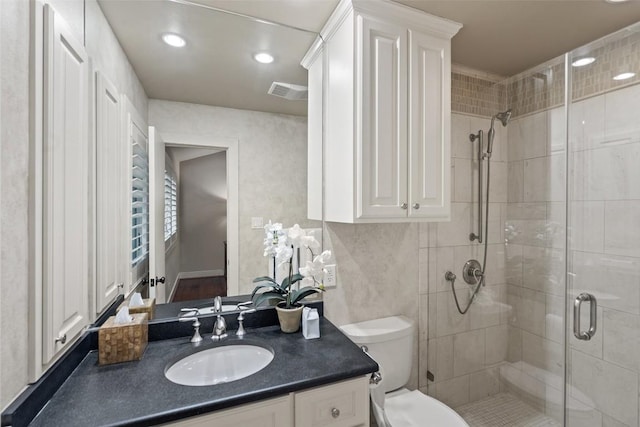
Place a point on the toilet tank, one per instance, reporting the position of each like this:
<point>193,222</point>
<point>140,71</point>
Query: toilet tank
<point>390,343</point>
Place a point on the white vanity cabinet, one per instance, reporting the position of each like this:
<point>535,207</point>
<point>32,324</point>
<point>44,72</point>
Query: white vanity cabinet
<point>267,413</point>
<point>342,404</point>
<point>386,82</point>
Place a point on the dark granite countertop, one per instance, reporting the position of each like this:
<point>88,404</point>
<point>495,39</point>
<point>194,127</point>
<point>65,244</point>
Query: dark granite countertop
<point>137,393</point>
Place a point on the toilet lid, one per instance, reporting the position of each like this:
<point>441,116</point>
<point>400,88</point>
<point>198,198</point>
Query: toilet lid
<point>414,409</point>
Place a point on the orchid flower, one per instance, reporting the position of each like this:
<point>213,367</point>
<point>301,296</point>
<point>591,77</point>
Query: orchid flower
<point>313,271</point>
<point>283,254</point>
<point>274,237</point>
<point>294,235</point>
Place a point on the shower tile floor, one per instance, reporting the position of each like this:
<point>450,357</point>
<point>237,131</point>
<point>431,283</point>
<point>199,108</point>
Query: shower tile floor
<point>503,409</point>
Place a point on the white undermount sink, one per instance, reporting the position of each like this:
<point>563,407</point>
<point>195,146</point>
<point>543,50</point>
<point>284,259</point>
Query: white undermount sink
<point>219,365</point>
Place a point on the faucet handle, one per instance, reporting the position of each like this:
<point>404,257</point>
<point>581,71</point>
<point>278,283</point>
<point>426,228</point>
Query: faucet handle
<point>243,312</point>
<point>243,305</point>
<point>195,311</point>
<point>196,326</point>
<point>241,332</point>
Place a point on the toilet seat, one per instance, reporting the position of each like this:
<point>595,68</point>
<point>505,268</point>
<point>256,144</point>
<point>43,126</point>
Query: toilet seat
<point>405,408</point>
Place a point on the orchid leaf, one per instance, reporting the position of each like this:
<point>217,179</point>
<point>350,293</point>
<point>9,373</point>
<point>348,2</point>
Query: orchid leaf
<point>286,283</point>
<point>303,293</point>
<point>264,279</point>
<point>274,288</point>
<point>267,296</point>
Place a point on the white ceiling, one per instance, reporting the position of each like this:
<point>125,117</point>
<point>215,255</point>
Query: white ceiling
<point>502,37</point>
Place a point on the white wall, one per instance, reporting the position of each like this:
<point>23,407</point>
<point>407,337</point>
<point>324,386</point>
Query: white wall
<point>202,214</point>
<point>14,174</point>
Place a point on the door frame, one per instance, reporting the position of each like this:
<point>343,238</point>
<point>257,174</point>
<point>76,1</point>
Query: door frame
<point>230,145</point>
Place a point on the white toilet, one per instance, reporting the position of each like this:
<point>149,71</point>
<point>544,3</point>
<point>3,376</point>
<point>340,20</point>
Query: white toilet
<point>390,342</point>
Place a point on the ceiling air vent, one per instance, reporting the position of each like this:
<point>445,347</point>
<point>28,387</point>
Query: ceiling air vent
<point>288,91</point>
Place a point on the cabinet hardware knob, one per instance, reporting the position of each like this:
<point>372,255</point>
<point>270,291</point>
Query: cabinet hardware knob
<point>404,206</point>
<point>120,285</point>
<point>416,206</point>
<point>62,339</point>
<point>335,412</point>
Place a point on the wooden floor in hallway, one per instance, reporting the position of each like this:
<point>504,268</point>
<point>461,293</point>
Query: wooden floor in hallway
<point>200,288</point>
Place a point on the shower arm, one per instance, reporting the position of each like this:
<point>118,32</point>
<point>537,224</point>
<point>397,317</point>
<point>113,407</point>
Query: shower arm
<point>480,137</point>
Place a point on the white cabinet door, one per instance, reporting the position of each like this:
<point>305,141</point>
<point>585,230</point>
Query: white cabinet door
<point>156,216</point>
<point>65,185</point>
<point>383,144</point>
<point>344,404</point>
<point>429,103</point>
<point>269,413</point>
<point>109,154</point>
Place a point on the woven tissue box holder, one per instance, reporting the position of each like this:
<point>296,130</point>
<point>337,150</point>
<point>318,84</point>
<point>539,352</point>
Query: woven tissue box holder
<point>123,342</point>
<point>149,307</point>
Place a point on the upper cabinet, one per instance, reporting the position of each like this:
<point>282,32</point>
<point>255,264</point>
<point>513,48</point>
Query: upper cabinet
<point>65,202</point>
<point>385,103</point>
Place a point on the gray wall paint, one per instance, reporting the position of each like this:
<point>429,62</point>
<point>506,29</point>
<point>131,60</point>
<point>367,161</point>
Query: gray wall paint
<point>203,212</point>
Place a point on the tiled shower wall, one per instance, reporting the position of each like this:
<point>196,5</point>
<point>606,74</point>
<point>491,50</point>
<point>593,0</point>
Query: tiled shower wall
<point>464,351</point>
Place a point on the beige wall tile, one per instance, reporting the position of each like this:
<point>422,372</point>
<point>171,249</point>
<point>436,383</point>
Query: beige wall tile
<point>613,389</point>
<point>515,175</point>
<point>544,354</point>
<point>468,352</point>
<point>484,384</point>
<point>453,392</point>
<point>621,332</point>
<point>448,320</point>
<point>622,227</point>
<point>496,344</point>
<point>586,226</point>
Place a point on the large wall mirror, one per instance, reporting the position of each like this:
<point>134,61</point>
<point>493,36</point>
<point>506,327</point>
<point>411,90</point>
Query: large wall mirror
<point>234,156</point>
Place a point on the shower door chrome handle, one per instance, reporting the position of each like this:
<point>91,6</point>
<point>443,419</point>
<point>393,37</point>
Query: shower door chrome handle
<point>593,316</point>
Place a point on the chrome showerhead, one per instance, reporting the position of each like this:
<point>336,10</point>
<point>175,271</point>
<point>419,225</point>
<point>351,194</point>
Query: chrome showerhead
<point>504,118</point>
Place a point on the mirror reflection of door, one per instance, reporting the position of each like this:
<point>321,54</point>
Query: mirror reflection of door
<point>195,223</point>
<point>156,215</point>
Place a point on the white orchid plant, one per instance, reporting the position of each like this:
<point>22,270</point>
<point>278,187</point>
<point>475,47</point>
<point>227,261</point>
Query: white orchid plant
<point>281,245</point>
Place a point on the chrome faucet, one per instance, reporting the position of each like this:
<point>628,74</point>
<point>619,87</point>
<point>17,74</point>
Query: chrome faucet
<point>241,332</point>
<point>220,326</point>
<point>196,338</point>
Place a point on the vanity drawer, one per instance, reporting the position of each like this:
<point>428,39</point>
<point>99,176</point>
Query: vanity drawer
<point>344,404</point>
<point>267,413</point>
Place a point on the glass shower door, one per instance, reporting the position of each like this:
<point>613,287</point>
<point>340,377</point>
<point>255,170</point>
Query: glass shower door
<point>603,240</point>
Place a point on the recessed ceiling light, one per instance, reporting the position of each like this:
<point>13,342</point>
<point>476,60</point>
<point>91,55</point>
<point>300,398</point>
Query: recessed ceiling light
<point>263,58</point>
<point>173,40</point>
<point>616,1</point>
<point>624,76</point>
<point>583,61</point>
